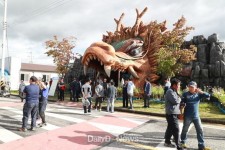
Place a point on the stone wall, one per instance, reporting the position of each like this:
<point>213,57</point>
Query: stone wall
<point>209,68</point>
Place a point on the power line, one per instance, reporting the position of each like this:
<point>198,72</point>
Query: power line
<point>46,7</point>
<point>1,3</point>
<point>41,11</point>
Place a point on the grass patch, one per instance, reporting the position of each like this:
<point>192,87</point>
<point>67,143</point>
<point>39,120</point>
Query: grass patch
<point>14,92</point>
<point>207,110</point>
<point>210,111</point>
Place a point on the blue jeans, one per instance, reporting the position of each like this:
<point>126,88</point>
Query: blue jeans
<point>110,104</point>
<point>198,128</point>
<point>42,108</point>
<point>30,109</point>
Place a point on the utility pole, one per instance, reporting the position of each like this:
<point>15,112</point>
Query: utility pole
<point>4,39</point>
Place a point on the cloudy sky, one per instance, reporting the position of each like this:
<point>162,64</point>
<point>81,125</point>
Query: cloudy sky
<point>32,22</point>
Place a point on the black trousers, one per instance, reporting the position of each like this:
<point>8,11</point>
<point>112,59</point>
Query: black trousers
<point>76,95</point>
<point>125,100</point>
<point>61,95</point>
<point>146,100</point>
<point>99,101</point>
<point>172,129</point>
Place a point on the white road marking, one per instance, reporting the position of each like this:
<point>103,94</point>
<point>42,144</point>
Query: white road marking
<point>134,120</point>
<point>49,126</point>
<point>63,117</point>
<point>214,127</point>
<point>8,136</point>
<point>17,111</point>
<point>112,129</point>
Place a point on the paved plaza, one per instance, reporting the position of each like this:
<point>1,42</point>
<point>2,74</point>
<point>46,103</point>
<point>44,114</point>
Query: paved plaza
<point>69,129</point>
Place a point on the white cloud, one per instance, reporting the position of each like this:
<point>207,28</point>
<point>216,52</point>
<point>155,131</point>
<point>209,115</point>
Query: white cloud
<point>89,19</point>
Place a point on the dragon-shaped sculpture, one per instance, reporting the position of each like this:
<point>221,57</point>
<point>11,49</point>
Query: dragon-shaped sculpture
<point>129,50</point>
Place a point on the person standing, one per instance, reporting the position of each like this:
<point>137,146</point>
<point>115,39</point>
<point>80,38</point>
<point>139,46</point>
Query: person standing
<point>75,90</point>
<point>167,85</point>
<point>50,83</point>
<point>31,105</point>
<point>86,92</point>
<point>105,87</point>
<point>130,92</point>
<point>61,88</point>
<point>125,95</point>
<point>147,92</point>
<point>99,96</point>
<point>172,105</point>
<point>21,88</point>
<point>191,100</point>
<point>112,93</point>
<point>43,104</point>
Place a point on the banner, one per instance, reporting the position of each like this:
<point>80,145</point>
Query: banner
<point>53,87</point>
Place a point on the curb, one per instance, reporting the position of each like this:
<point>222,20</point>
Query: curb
<point>206,120</point>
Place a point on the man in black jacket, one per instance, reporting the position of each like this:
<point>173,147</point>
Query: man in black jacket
<point>75,89</point>
<point>125,95</point>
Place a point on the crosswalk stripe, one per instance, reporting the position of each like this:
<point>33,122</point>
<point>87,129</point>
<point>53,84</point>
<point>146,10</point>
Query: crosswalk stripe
<point>137,121</point>
<point>63,117</point>
<point>17,111</point>
<point>79,111</point>
<point>72,111</point>
<point>112,129</point>
<point>8,136</point>
<point>49,126</point>
<point>213,127</point>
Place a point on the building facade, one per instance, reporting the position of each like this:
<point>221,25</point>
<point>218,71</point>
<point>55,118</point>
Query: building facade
<point>23,71</point>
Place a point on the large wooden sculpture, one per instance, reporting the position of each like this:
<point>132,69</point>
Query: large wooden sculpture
<point>132,50</point>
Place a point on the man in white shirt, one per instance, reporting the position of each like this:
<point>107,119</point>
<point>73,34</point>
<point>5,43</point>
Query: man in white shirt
<point>86,92</point>
<point>130,92</point>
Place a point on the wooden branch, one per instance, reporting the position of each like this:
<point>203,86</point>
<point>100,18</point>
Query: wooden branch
<point>138,20</point>
<point>118,22</point>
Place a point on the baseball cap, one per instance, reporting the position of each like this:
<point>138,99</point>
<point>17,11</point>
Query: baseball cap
<point>193,84</point>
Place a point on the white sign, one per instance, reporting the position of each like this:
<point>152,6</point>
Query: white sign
<point>53,87</point>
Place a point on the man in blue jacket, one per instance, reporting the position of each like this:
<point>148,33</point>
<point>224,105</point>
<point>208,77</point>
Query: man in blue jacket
<point>147,92</point>
<point>31,105</point>
<point>190,102</point>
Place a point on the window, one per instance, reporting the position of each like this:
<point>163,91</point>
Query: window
<point>44,78</point>
<point>24,77</point>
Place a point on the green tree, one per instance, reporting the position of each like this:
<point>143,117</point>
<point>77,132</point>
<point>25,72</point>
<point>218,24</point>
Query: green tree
<point>170,56</point>
<point>62,53</point>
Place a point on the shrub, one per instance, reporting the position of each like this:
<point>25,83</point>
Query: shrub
<point>119,91</point>
<point>157,92</point>
<point>220,94</point>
